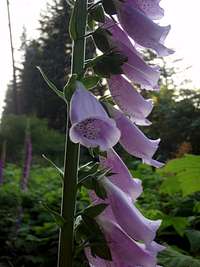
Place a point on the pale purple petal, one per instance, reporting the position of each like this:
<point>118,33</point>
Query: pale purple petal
<point>139,72</point>
<point>129,100</point>
<point>142,29</point>
<point>121,177</point>
<point>128,216</point>
<point>118,34</point>
<point>134,141</point>
<point>150,8</point>
<point>128,251</point>
<point>84,105</point>
<point>91,125</point>
<point>99,262</point>
<point>94,132</point>
<point>155,248</point>
<point>135,68</point>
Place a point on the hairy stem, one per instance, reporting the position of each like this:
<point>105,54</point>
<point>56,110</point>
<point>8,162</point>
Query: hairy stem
<point>71,160</point>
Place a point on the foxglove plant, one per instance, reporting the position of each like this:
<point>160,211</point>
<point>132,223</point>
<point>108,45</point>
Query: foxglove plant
<point>1,171</point>
<point>112,231</point>
<point>2,162</point>
<point>27,159</point>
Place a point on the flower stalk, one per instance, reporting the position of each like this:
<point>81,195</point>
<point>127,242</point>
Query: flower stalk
<point>71,159</point>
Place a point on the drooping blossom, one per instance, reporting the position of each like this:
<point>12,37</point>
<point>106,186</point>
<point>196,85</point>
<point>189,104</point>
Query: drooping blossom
<point>121,176</point>
<point>141,28</point>
<point>128,216</point>
<point>124,250</point>
<point>91,125</point>
<point>129,100</point>
<point>135,68</point>
<point>134,141</point>
<point>117,261</point>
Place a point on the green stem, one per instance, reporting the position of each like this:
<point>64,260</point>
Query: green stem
<point>71,162</point>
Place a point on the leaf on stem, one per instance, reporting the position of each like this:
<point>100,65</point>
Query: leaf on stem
<point>90,81</point>
<point>51,85</point>
<point>89,232</point>
<point>54,165</point>
<point>94,211</point>
<point>59,220</point>
<point>97,13</point>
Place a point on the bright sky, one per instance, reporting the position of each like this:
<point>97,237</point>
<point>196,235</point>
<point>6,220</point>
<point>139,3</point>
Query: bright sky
<point>184,36</point>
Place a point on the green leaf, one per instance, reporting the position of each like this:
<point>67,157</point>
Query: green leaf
<point>109,64</point>
<point>100,191</point>
<point>90,170</point>
<point>94,211</point>
<point>90,81</point>
<point>96,239</point>
<point>96,152</point>
<point>87,165</point>
<point>70,87</point>
<point>90,182</point>
<point>194,239</point>
<point>97,13</point>
<point>170,186</point>
<point>101,250</point>
<point>55,166</point>
<point>182,175</point>
<point>59,220</point>
<point>173,258</point>
<point>89,232</point>
<point>51,85</point>
<point>102,39</point>
<point>197,207</point>
<point>91,23</point>
<point>180,224</point>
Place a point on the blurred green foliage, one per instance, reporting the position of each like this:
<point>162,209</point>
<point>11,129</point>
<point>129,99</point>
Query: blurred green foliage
<point>176,121</point>
<point>182,175</point>
<point>13,129</point>
<point>29,233</point>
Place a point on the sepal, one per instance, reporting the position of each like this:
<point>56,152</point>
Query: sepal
<point>88,231</point>
<point>109,64</point>
<point>101,38</point>
<point>59,220</point>
<point>97,13</point>
<point>90,81</point>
